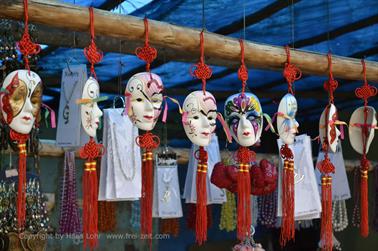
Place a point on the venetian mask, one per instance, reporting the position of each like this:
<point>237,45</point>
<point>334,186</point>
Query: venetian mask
<point>287,126</point>
<point>90,112</point>
<point>199,117</point>
<point>333,133</point>
<point>356,123</point>
<point>243,115</point>
<point>22,101</point>
<point>144,99</point>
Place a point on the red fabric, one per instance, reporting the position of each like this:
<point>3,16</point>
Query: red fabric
<point>326,220</point>
<point>219,176</point>
<point>288,226</point>
<point>263,178</point>
<point>146,53</point>
<point>90,152</point>
<point>92,53</point>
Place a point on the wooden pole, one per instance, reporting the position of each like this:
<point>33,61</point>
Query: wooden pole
<point>220,49</point>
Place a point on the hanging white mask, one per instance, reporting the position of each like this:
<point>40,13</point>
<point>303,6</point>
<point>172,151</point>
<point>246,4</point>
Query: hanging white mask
<point>355,128</point>
<point>244,117</point>
<point>199,117</point>
<point>333,133</point>
<point>22,102</point>
<point>287,126</point>
<point>90,112</point>
<point>144,99</point>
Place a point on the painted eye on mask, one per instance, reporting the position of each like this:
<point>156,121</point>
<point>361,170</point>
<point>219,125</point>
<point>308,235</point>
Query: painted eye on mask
<point>196,117</point>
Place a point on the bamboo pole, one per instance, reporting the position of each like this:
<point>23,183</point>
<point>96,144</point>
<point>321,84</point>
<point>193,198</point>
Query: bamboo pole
<point>220,49</point>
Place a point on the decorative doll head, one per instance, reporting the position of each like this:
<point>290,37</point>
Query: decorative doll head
<point>144,99</point>
<point>287,126</point>
<point>90,112</point>
<point>199,117</point>
<point>243,115</point>
<point>22,102</point>
<point>330,112</point>
<point>355,128</point>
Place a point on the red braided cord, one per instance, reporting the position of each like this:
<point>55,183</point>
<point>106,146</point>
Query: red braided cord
<point>148,141</point>
<point>331,84</point>
<point>291,72</point>
<point>91,150</point>
<point>366,91</point>
<point>92,53</point>
<point>243,71</point>
<point>146,53</point>
<point>202,71</point>
<point>26,45</point>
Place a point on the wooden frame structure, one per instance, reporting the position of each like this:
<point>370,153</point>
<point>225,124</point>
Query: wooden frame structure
<point>183,42</point>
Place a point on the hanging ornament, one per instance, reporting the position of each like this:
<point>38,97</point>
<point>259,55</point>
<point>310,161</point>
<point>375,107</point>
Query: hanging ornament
<point>329,137</point>
<point>244,117</point>
<point>228,213</point>
<point>21,104</point>
<point>199,121</point>
<point>362,125</point>
<point>91,151</point>
<point>106,213</point>
<point>144,98</point>
<point>287,127</point>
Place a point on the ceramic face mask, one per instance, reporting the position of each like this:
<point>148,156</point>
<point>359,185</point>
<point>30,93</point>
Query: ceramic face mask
<point>22,103</point>
<point>355,128</point>
<point>287,126</point>
<point>90,113</point>
<point>333,133</point>
<point>144,99</point>
<point>243,115</point>
<point>199,117</point>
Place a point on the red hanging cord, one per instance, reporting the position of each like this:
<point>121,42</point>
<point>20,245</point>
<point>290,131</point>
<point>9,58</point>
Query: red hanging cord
<point>291,72</point>
<point>243,71</point>
<point>92,53</point>
<point>26,45</point>
<point>331,84</point>
<point>202,71</point>
<point>146,53</point>
<point>365,92</point>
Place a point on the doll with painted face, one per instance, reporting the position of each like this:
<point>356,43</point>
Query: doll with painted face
<point>287,125</point>
<point>90,119</point>
<point>144,99</point>
<point>244,116</point>
<point>21,103</point>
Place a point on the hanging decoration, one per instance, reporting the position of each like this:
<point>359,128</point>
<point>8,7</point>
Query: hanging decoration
<point>91,151</point>
<point>329,137</point>
<point>287,128</point>
<point>362,126</point>
<point>21,103</point>
<point>106,213</point>
<point>244,117</point>
<point>199,121</point>
<point>144,100</point>
<point>228,213</point>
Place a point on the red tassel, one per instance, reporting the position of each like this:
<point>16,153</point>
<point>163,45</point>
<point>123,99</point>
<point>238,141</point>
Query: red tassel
<point>326,167</point>
<point>364,226</point>
<point>244,156</point>
<point>201,211</point>
<point>326,221</point>
<point>90,152</point>
<point>288,224</point>
<point>147,192</point>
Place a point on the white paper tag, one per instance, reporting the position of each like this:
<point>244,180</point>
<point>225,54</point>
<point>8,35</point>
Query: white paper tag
<point>11,173</point>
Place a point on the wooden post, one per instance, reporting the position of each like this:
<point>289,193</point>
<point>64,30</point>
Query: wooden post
<point>185,41</point>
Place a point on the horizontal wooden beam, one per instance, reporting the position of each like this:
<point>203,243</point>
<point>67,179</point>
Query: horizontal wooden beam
<point>49,149</point>
<point>222,50</point>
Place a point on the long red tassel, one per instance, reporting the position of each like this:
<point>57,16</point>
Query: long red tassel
<point>288,224</point>
<point>90,152</point>
<point>364,226</point>
<point>201,211</point>
<point>326,167</point>
<point>244,156</point>
<point>147,192</point>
